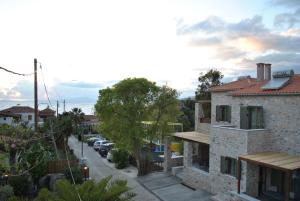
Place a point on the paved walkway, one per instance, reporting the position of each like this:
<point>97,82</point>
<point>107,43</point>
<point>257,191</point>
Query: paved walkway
<point>169,188</point>
<point>100,168</point>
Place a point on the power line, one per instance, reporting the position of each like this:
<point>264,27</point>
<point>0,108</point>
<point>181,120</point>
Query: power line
<point>71,170</point>
<point>46,91</point>
<point>10,71</point>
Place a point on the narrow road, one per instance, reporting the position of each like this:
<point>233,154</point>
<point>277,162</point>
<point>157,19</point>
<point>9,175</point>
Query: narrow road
<point>100,168</point>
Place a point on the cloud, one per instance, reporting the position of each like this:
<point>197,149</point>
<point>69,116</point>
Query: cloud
<point>286,3</point>
<point>279,61</point>
<point>244,41</point>
<point>211,24</point>
<point>81,85</point>
<point>289,19</point>
<point>227,52</point>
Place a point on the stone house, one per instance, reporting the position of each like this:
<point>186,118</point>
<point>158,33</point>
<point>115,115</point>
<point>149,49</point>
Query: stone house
<point>250,150</point>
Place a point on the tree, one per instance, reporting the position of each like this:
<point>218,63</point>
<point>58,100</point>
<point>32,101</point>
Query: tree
<point>124,107</point>
<point>77,117</point>
<point>105,190</point>
<point>188,114</point>
<point>206,81</point>
<point>35,159</point>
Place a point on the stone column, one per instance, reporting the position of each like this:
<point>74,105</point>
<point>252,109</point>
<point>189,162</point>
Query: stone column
<point>167,155</point>
<point>188,154</point>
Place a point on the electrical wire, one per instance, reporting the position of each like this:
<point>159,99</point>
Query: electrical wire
<point>10,71</point>
<point>46,91</point>
<point>71,171</point>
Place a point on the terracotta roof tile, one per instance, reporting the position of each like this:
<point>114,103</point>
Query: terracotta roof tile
<point>292,88</point>
<point>235,85</point>
<point>47,112</point>
<point>19,109</point>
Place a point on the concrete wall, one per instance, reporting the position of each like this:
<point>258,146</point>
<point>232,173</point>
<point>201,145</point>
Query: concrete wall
<point>24,118</point>
<point>6,120</point>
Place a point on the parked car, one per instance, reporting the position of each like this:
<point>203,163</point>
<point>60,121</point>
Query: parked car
<point>105,148</point>
<point>98,143</point>
<point>92,140</point>
<point>109,156</point>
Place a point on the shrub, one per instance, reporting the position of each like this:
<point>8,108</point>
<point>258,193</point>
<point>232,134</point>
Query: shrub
<point>77,174</point>
<point>120,157</point>
<point>20,184</point>
<point>6,192</point>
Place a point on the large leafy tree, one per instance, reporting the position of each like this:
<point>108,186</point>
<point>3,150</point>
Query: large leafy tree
<point>105,190</point>
<point>124,107</point>
<point>210,79</point>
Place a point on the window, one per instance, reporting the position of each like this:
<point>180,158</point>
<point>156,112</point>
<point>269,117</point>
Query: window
<point>251,117</point>
<point>29,117</point>
<point>223,113</point>
<point>228,165</point>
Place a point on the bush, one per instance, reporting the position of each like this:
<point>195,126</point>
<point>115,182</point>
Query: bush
<point>120,157</point>
<point>77,174</point>
<point>20,184</point>
<point>6,192</point>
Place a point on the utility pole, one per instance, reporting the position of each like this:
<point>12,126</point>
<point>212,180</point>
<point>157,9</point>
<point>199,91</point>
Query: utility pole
<point>64,105</point>
<point>35,97</point>
<point>57,105</point>
<point>53,140</point>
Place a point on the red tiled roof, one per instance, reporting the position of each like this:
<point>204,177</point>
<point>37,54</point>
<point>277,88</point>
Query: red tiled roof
<point>18,109</point>
<point>292,88</point>
<point>235,85</point>
<point>8,114</point>
<point>88,117</point>
<point>47,112</point>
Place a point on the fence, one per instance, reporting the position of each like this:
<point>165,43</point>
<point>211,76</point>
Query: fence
<point>60,165</point>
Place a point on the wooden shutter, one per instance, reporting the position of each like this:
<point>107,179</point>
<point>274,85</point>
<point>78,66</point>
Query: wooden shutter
<point>218,113</point>
<point>244,117</point>
<point>260,117</point>
<point>223,165</point>
<point>228,114</point>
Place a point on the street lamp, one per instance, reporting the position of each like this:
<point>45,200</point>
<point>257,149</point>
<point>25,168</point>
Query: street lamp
<point>85,171</point>
<point>6,178</point>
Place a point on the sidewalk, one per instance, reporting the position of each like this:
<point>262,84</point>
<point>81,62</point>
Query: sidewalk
<point>169,188</point>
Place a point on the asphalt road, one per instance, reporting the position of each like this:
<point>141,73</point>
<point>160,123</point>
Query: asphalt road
<point>100,168</point>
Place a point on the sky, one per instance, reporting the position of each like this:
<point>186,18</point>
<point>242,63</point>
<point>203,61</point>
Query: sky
<point>84,46</point>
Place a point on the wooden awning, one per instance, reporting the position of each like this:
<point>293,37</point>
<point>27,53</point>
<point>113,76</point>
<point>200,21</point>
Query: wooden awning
<point>193,136</point>
<point>281,161</point>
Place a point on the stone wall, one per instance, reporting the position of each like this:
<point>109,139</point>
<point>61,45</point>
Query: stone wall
<point>196,178</point>
<point>281,117</point>
<point>233,142</point>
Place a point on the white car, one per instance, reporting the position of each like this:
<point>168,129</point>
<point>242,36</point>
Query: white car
<point>98,143</point>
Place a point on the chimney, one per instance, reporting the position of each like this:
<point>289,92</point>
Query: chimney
<point>268,71</point>
<point>260,72</point>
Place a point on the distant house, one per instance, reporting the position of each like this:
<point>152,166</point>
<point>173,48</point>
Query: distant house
<point>26,114</point>
<point>23,114</point>
<point>46,113</point>
<point>9,118</point>
<point>89,123</point>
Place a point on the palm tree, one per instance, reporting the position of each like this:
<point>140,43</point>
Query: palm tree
<point>77,116</point>
<point>105,190</point>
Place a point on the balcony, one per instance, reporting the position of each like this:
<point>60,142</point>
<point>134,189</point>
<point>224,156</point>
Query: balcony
<point>241,141</point>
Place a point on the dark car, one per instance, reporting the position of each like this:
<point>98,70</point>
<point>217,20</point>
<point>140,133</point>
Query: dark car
<point>105,148</point>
